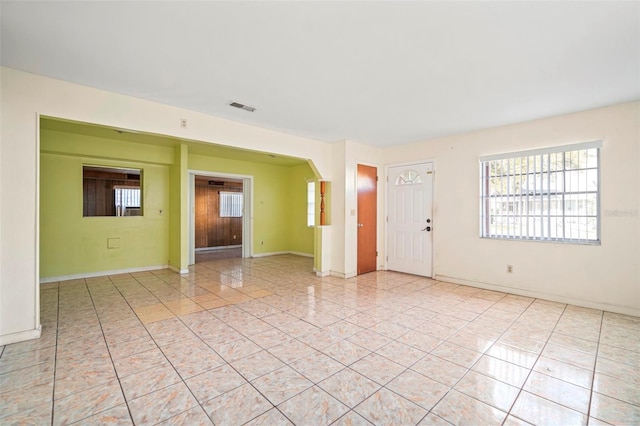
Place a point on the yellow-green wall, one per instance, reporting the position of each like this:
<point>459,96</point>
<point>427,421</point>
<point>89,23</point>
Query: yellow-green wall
<point>301,235</point>
<point>178,223</point>
<point>71,244</point>
<point>74,245</point>
<point>279,202</point>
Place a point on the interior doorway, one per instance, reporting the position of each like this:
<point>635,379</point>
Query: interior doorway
<point>220,218</point>
<point>218,213</point>
<point>367,218</point>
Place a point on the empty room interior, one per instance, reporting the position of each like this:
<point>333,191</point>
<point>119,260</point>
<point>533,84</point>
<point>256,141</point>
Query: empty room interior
<point>315,213</point>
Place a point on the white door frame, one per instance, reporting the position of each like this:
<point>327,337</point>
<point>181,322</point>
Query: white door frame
<point>247,214</point>
<point>386,210</point>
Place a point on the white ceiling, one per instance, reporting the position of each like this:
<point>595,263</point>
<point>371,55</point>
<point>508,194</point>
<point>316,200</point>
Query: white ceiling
<point>380,73</point>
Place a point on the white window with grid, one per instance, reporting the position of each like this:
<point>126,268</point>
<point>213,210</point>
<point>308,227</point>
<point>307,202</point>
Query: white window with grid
<point>230,204</point>
<point>127,200</point>
<point>311,203</point>
<point>545,195</point>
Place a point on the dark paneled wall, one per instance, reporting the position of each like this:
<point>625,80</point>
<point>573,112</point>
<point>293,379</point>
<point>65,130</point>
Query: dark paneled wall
<point>211,229</point>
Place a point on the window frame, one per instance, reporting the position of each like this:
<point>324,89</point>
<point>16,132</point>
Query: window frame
<point>107,174</point>
<point>311,203</point>
<point>230,205</point>
<point>541,195</point>
<point>120,209</point>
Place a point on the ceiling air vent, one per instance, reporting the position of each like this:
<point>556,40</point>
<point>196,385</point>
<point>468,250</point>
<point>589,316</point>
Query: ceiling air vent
<point>242,106</point>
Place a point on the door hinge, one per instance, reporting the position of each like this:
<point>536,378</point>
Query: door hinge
<point>376,253</point>
<point>376,178</point>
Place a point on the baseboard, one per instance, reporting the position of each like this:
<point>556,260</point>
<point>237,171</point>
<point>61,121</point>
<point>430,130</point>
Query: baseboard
<point>178,270</point>
<point>321,273</point>
<point>272,253</point>
<point>278,253</point>
<point>626,310</point>
<point>206,249</point>
<point>346,276</point>
<point>299,253</point>
<point>21,336</point>
<point>102,273</point>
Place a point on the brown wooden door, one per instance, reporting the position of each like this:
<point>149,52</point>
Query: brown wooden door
<point>367,218</point>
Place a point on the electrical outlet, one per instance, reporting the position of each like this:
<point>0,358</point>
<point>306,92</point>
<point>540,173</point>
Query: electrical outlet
<point>183,123</point>
<point>509,269</point>
<point>261,243</point>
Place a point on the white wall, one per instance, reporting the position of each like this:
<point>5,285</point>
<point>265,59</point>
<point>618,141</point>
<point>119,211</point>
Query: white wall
<point>605,276</point>
<point>23,97</point>
<point>19,319</point>
<point>356,153</point>
<point>344,205</point>
<point>338,210</point>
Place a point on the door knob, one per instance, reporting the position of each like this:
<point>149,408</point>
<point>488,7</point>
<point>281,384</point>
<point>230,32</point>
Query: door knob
<point>428,228</point>
<point>360,225</point>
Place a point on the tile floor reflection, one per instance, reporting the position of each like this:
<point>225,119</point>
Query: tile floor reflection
<point>264,341</point>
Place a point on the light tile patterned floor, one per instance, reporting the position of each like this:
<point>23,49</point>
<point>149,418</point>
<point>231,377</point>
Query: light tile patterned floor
<point>264,341</point>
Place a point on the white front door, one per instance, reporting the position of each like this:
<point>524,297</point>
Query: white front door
<point>410,220</point>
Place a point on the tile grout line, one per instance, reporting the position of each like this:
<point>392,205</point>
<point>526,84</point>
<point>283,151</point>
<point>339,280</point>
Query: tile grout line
<point>595,363</point>
<point>407,368</point>
<point>534,364</point>
<point>104,337</point>
<point>451,388</point>
<point>213,349</point>
<point>150,336</point>
<point>55,356</point>
<point>314,384</point>
<point>227,362</point>
<point>524,382</point>
<point>182,379</point>
<point>249,382</point>
<point>468,369</point>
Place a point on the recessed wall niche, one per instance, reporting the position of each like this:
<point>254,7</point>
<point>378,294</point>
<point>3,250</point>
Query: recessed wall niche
<point>111,191</point>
